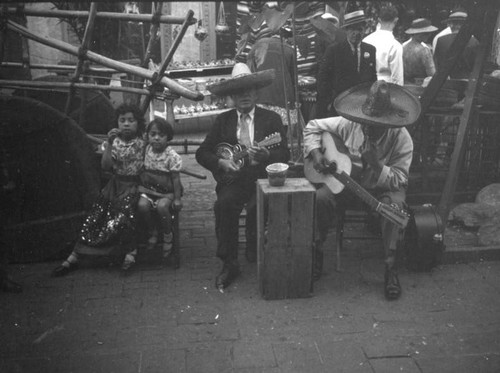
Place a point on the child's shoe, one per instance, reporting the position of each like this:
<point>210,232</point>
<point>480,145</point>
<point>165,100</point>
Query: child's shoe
<point>167,244</point>
<point>128,263</point>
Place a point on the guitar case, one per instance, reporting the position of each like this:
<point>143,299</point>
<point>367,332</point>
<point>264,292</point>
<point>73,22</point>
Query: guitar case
<point>423,239</point>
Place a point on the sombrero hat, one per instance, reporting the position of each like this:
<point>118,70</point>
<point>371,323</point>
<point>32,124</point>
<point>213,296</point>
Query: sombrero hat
<point>420,26</point>
<point>380,104</point>
<point>241,79</point>
<point>327,30</point>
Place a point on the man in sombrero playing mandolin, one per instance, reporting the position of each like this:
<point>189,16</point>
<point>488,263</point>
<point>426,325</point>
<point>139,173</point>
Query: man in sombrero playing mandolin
<point>239,146</point>
<point>368,150</point>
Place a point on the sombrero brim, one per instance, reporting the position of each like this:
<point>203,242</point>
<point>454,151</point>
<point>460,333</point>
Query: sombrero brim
<point>423,30</point>
<point>230,86</point>
<point>405,106</point>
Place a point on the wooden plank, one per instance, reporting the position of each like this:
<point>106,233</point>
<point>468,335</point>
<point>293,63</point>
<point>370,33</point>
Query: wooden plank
<point>285,247</point>
<point>467,116</point>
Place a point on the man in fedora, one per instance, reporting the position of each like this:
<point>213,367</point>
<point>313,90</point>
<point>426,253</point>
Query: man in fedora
<point>372,127</point>
<point>247,125</point>
<point>345,64</point>
<point>465,62</point>
<point>417,56</point>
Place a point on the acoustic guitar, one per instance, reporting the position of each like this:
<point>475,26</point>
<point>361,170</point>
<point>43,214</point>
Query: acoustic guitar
<point>239,154</point>
<point>338,177</point>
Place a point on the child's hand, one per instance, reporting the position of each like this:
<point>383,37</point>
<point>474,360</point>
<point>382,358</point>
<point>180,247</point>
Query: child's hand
<point>112,134</point>
<point>177,204</point>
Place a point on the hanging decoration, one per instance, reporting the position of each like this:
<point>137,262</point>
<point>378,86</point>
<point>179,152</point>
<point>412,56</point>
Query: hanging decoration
<point>201,32</point>
<point>221,28</point>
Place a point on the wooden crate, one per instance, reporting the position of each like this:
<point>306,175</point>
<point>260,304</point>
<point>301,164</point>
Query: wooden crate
<point>285,239</point>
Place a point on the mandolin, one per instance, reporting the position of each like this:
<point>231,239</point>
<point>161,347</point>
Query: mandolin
<point>239,154</point>
<point>338,177</point>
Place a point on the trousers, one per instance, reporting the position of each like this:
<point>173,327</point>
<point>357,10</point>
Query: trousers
<point>231,198</point>
<point>327,204</point>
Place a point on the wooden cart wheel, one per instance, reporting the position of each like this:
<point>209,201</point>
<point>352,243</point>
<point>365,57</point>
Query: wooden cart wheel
<point>55,174</point>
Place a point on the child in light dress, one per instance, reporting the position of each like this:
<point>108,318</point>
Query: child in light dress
<point>160,188</point>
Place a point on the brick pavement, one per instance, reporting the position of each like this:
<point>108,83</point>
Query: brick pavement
<point>161,320</point>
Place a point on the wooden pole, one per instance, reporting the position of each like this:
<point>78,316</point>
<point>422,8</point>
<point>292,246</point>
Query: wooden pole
<point>170,54</point>
<point>153,30</point>
<point>46,66</point>
<point>53,13</point>
<point>87,37</point>
<point>35,84</point>
<point>467,116</point>
<point>105,61</point>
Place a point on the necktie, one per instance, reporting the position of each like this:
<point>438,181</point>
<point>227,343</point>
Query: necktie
<point>245,131</point>
<point>355,52</point>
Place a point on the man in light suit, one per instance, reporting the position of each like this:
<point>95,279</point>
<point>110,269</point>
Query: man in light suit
<point>247,124</point>
<point>345,65</point>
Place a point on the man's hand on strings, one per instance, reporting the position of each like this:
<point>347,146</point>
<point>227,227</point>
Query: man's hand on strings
<point>258,154</point>
<point>320,163</point>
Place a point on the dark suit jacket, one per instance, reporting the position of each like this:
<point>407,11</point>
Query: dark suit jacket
<point>337,72</point>
<point>266,122</point>
<point>465,62</point>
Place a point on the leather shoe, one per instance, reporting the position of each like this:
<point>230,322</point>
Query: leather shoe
<point>226,276</point>
<point>392,287</point>
<point>317,265</point>
<point>64,270</point>
<point>9,286</point>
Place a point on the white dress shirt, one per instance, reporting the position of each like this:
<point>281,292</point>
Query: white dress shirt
<point>389,56</point>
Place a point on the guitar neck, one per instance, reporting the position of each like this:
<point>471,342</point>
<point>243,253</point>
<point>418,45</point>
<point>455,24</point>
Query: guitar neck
<point>357,189</point>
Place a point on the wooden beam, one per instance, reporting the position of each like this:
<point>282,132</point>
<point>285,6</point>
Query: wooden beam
<point>38,84</point>
<point>467,116</point>
<point>105,61</point>
<point>168,57</point>
<point>55,13</point>
<point>87,37</point>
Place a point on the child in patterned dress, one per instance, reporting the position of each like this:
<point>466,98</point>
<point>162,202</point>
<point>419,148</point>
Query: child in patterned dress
<point>160,187</point>
<point>111,221</point>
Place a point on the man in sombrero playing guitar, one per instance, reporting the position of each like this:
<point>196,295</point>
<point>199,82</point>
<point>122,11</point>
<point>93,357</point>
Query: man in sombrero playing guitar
<point>241,143</point>
<point>371,129</point>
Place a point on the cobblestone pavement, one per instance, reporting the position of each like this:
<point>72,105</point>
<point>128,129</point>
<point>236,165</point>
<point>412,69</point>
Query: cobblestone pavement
<point>165,320</point>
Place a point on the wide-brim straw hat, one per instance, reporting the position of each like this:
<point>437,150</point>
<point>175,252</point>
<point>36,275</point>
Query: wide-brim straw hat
<point>420,26</point>
<point>354,18</point>
<point>379,104</point>
<point>242,79</point>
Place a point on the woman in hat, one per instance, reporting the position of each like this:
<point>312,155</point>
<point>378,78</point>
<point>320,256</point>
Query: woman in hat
<point>372,128</point>
<point>417,56</point>
<point>246,125</point>
<point>345,64</point>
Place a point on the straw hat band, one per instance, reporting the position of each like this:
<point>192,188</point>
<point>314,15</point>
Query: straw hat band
<point>354,18</point>
<point>457,17</point>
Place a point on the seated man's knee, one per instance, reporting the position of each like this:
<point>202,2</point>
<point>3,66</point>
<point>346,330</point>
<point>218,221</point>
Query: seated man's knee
<point>163,206</point>
<point>143,205</point>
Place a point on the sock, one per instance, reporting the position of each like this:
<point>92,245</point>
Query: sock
<point>72,259</point>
